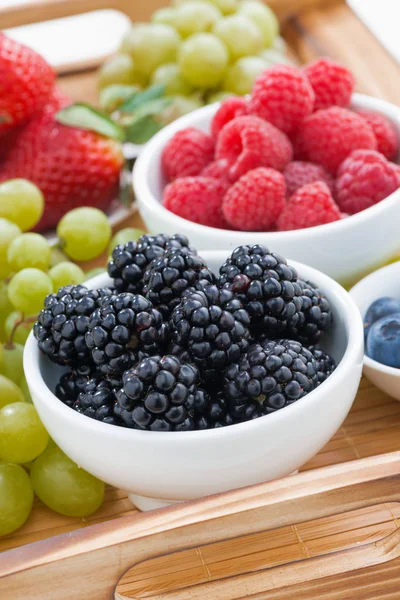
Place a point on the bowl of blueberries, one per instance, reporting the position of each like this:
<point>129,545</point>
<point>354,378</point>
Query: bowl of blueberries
<point>179,374</point>
<point>378,298</point>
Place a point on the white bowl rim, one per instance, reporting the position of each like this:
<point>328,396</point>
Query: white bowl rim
<point>141,187</point>
<point>369,362</point>
<point>350,356</point>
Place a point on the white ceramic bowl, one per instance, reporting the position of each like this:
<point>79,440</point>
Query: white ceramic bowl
<point>345,250</point>
<point>384,282</point>
<point>179,466</point>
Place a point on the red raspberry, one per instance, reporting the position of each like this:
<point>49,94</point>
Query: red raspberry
<point>299,173</point>
<point>364,179</point>
<point>332,83</point>
<point>218,169</point>
<point>229,109</point>
<point>255,201</point>
<point>249,142</point>
<point>198,199</point>
<point>329,136</point>
<point>385,133</point>
<point>311,205</point>
<point>187,153</point>
<point>283,96</point>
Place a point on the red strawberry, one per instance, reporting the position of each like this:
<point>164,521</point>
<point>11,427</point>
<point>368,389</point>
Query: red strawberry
<point>71,166</point>
<point>26,81</point>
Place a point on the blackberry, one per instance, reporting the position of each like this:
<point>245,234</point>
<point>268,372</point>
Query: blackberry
<point>73,382</point>
<point>97,400</point>
<point>63,322</point>
<point>130,261</point>
<point>160,394</point>
<point>325,363</point>
<point>170,276</point>
<point>212,413</point>
<point>211,327</point>
<point>317,314</point>
<point>124,329</point>
<point>269,377</point>
<point>267,286</point>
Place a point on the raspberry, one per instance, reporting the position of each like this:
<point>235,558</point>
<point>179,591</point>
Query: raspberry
<point>283,96</point>
<point>299,173</point>
<point>364,179</point>
<point>198,199</point>
<point>311,205</point>
<point>332,83</point>
<point>229,109</point>
<point>249,142</point>
<point>218,169</point>
<point>385,133</point>
<point>255,201</point>
<point>329,136</point>
<point>187,153</point>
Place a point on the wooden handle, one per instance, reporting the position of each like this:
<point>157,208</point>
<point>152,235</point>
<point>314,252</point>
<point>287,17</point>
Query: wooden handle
<point>33,11</point>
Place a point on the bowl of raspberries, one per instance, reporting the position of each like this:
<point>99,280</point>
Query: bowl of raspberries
<point>305,165</point>
<point>180,374</point>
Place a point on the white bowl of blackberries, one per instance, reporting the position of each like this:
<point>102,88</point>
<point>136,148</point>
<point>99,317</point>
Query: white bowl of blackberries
<point>378,298</point>
<point>176,375</point>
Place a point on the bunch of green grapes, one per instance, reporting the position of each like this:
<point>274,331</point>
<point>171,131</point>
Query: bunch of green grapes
<point>201,51</point>
<point>30,269</point>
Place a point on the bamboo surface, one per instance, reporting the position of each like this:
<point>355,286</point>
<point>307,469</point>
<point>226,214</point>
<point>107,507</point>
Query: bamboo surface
<point>373,426</point>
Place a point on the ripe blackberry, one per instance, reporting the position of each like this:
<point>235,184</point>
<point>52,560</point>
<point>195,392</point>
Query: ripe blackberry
<point>73,382</point>
<point>97,400</point>
<point>317,314</point>
<point>211,326</point>
<point>325,363</point>
<point>268,287</point>
<point>124,329</point>
<point>160,394</point>
<point>213,413</point>
<point>169,276</point>
<point>63,322</point>
<point>130,261</point>
<point>269,377</point>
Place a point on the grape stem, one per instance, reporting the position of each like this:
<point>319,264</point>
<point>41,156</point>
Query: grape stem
<point>9,345</point>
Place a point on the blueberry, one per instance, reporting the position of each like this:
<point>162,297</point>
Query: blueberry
<point>383,342</point>
<point>382,307</point>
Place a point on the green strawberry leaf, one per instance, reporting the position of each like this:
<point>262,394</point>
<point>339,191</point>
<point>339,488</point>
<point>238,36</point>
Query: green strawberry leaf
<point>152,93</point>
<point>114,95</point>
<point>84,116</point>
<point>142,129</point>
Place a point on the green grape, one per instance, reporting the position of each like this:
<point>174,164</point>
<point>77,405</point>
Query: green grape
<point>226,7</point>
<point>151,45</point>
<point>112,96</point>
<point>5,308</point>
<point>21,202</point>
<point>9,392</point>
<point>181,105</point>
<point>219,97</point>
<point>11,364</point>
<point>8,232</point>
<point>84,233</point>
<point>119,69</point>
<point>29,250</point>
<point>22,434</point>
<point>279,44</point>
<point>57,256</point>
<point>203,59</point>
<point>65,273</point>
<point>63,486</point>
<point>16,497</point>
<point>20,333</point>
<point>129,234</point>
<point>25,390</point>
<point>241,76</point>
<point>240,36</point>
<point>93,273</point>
<point>170,76</point>
<point>28,289</point>
<point>263,17</point>
<point>167,16</point>
<point>194,17</point>
<point>271,56</point>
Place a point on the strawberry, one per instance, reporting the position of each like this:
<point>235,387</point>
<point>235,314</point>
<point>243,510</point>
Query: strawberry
<point>72,167</point>
<point>26,81</point>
